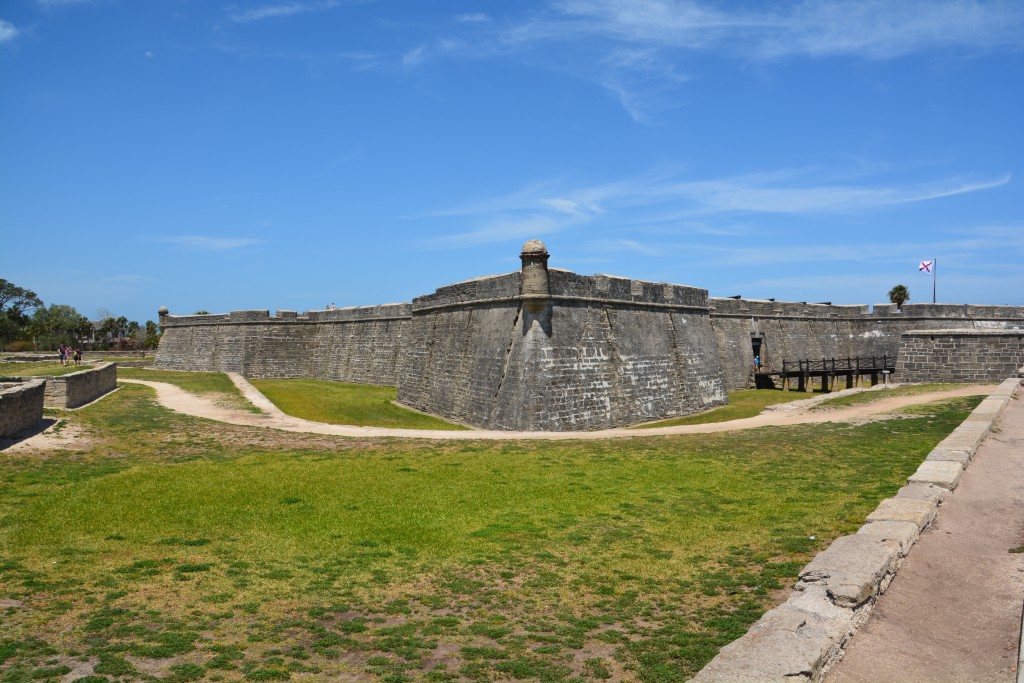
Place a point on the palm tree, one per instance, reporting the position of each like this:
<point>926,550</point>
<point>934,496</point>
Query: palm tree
<point>899,295</point>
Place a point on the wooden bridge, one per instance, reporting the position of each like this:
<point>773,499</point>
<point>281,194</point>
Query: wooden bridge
<point>829,370</point>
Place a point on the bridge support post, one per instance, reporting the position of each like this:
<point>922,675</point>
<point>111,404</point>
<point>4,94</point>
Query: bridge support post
<point>824,384</point>
<point>801,383</point>
<point>874,379</point>
<point>849,381</point>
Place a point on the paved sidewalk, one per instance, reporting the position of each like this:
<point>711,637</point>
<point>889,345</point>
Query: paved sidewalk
<point>953,612</point>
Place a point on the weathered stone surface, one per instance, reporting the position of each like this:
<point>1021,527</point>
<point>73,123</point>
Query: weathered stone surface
<point>959,355</point>
<point>604,352</point>
<point>927,492</point>
<point>555,350</point>
<point>797,331</point>
<point>941,473</point>
<point>918,512</point>
<point>903,534</point>
<point>78,388</point>
<point>852,568</point>
<point>795,642</point>
<point>363,345</point>
<point>960,455</point>
<point>21,405</point>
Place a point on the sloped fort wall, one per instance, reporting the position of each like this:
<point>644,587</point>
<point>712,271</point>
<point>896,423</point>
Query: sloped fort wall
<point>589,353</point>
<point>551,349</point>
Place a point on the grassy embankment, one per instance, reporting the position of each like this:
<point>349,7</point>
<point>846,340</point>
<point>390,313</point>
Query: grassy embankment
<point>742,403</point>
<point>864,397</point>
<point>185,549</point>
<point>345,404</point>
<point>215,386</point>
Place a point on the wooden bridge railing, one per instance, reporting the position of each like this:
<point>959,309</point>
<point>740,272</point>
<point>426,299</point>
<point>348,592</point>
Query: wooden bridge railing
<point>837,366</point>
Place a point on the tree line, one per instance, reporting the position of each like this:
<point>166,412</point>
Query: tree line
<point>28,324</point>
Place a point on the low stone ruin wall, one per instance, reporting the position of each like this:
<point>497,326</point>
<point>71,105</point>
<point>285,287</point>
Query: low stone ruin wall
<point>79,388</point>
<point>21,405</point>
<point>962,356</point>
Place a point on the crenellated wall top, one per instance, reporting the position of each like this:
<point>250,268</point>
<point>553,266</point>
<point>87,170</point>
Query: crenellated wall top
<point>262,316</point>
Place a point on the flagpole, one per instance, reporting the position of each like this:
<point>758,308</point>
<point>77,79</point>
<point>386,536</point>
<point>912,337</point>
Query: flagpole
<point>935,278</point>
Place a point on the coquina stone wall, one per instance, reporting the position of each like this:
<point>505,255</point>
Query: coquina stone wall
<point>589,352</point>
<point>78,388</point>
<point>21,405</point>
<point>592,352</point>
<point>960,355</point>
<point>363,345</point>
<point>799,331</point>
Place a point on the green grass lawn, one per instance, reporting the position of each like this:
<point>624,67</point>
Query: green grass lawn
<point>742,403</point>
<point>39,368</point>
<point>185,549</point>
<point>213,385</point>
<point>345,404</point>
<point>881,394</point>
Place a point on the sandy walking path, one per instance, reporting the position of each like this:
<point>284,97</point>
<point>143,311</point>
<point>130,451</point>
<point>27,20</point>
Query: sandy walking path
<point>179,400</point>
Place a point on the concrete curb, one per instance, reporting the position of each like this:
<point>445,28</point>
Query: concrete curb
<point>801,639</point>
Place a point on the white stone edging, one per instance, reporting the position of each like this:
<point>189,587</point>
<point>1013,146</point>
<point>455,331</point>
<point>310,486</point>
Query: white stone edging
<point>802,638</point>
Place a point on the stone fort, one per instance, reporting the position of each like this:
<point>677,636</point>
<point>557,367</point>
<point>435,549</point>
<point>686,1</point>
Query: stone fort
<point>549,349</point>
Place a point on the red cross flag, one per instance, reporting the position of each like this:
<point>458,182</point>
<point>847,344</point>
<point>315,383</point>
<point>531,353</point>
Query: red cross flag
<point>926,266</point>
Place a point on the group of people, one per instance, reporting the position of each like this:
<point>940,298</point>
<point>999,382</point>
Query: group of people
<point>69,355</point>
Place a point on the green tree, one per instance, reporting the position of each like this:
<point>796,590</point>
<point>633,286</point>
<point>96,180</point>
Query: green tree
<point>57,323</point>
<point>15,304</point>
<point>899,295</point>
<point>152,338</point>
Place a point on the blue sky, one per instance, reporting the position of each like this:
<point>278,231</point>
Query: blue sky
<point>288,154</point>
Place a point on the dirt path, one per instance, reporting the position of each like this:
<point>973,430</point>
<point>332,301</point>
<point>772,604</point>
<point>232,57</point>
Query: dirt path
<point>953,612</point>
<point>177,399</point>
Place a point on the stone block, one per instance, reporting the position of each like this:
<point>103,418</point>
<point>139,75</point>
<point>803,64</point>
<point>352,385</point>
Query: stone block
<point>941,473</point>
<point>927,492</point>
<point>797,641</point>
<point>852,569</point>
<point>903,534</point>
<point>917,512</point>
<point>960,455</point>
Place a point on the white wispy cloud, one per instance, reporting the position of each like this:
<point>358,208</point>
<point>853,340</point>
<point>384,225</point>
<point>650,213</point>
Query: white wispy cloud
<point>869,28</point>
<point>660,199</point>
<point>502,229</point>
<point>204,243</point>
<point>8,32</point>
<point>633,48</point>
<point>281,9</point>
<point>414,57</point>
<point>50,4</point>
<point>473,18</point>
<point>882,29</point>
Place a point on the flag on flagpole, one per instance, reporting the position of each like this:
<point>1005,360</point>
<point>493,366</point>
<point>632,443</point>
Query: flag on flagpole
<point>926,266</point>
